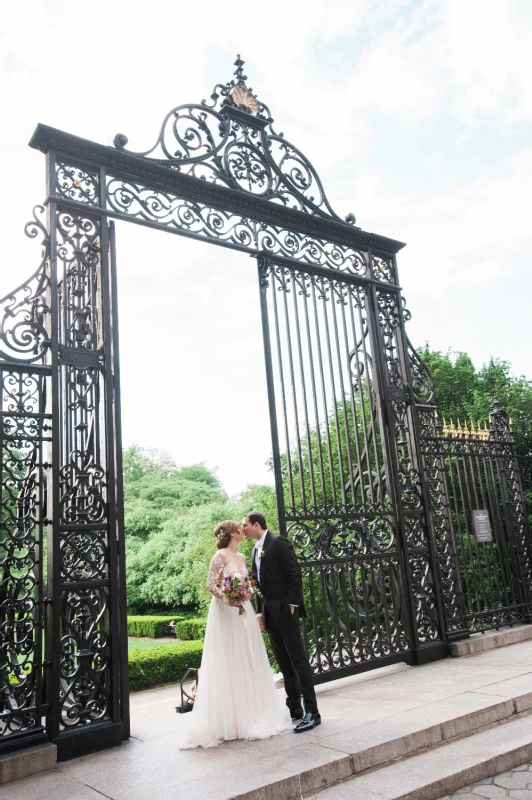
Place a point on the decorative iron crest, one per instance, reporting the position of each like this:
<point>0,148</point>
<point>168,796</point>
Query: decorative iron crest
<point>230,141</point>
<point>25,313</point>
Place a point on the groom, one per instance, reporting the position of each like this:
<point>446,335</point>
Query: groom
<point>279,606</point>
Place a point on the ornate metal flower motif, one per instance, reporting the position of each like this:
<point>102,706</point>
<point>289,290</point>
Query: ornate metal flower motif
<point>243,97</point>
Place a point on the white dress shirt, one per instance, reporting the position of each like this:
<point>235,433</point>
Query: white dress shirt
<point>258,552</point>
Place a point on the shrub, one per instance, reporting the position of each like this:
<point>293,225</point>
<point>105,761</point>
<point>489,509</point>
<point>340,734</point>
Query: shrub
<point>153,626</point>
<point>165,663</point>
<point>190,628</point>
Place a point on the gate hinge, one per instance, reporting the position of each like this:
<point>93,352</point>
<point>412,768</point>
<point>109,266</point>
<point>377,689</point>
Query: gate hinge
<point>402,395</point>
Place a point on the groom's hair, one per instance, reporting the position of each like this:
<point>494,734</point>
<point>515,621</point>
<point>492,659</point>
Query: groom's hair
<point>257,516</point>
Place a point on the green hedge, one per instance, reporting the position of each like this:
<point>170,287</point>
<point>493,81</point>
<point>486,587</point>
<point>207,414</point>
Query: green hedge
<point>165,663</point>
<point>187,628</point>
<point>149,626</point>
<point>190,628</point>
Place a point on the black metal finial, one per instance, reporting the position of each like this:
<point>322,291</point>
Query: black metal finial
<point>239,72</point>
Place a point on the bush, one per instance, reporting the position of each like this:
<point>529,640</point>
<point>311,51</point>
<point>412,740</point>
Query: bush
<point>153,626</point>
<point>166,663</point>
<point>190,628</point>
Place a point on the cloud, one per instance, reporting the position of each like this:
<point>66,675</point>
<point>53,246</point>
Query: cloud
<point>416,115</point>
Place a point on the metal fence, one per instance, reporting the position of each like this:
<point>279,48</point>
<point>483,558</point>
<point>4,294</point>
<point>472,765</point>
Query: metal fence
<point>480,522</point>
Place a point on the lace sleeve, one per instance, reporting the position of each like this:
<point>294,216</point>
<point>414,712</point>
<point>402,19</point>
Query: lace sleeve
<point>215,576</point>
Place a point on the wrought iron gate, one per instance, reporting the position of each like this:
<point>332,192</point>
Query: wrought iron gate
<point>486,574</point>
<point>342,384</point>
<point>344,459</point>
<point>25,444</point>
<point>63,642</point>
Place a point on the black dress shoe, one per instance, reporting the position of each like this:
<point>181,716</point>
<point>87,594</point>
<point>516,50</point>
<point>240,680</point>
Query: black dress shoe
<point>297,714</point>
<point>308,722</point>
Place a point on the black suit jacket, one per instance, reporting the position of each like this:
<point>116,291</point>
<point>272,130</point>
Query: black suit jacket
<point>280,576</point>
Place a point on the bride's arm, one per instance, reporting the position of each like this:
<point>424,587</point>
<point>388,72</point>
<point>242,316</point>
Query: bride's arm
<point>215,576</point>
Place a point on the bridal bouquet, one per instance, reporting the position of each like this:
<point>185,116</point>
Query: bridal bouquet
<point>237,590</point>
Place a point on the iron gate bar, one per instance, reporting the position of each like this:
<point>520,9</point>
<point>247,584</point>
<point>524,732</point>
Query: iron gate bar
<point>119,491</point>
<point>111,478</point>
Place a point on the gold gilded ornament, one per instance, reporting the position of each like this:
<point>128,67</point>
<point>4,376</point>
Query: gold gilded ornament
<point>243,97</point>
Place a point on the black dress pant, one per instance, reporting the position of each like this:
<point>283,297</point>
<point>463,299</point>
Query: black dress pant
<point>285,638</point>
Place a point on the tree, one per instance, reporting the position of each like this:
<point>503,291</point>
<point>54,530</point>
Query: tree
<point>156,489</point>
<point>139,461</point>
<point>168,568</point>
<point>464,393</point>
<point>170,515</point>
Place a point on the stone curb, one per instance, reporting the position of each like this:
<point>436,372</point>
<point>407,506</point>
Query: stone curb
<point>481,642</point>
<point>23,763</point>
<point>485,769</point>
<point>439,772</point>
<point>352,765</point>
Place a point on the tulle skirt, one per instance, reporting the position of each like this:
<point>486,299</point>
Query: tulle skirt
<point>236,696</point>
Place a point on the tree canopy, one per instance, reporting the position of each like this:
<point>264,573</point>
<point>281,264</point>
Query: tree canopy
<point>171,511</point>
<point>170,515</point>
<point>465,393</point>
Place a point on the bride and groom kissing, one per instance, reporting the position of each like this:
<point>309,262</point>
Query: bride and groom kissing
<point>236,697</point>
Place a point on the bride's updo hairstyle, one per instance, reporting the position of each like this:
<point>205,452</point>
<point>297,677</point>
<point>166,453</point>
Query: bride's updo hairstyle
<point>223,532</point>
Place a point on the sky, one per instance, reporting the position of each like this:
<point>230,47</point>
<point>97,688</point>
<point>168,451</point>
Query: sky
<point>417,116</point>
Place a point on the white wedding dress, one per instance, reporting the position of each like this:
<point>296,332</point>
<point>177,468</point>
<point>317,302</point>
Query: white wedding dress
<point>236,696</point>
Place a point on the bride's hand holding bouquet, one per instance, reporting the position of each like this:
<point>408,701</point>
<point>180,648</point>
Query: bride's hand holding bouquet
<point>236,591</point>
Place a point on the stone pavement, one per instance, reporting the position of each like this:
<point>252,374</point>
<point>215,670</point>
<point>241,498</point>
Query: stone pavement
<point>369,720</point>
<point>515,784</point>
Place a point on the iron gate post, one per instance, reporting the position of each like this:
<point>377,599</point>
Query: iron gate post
<point>440,520</point>
<point>411,498</point>
<point>119,479</point>
<point>86,634</point>
<point>513,499</point>
<point>264,265</point>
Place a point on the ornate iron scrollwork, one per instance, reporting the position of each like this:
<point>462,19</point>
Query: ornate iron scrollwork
<point>83,513</point>
<point>24,313</point>
<point>441,518</point>
<point>230,141</point>
<point>25,430</point>
<point>409,479</point>
<point>77,183</point>
<point>358,609</point>
<point>485,584</point>
<point>500,430</point>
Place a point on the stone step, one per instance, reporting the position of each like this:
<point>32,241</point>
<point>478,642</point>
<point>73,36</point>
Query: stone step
<point>481,642</point>
<point>372,746</point>
<point>22,763</point>
<point>442,770</point>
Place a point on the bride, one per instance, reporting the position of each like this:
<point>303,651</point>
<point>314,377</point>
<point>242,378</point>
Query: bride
<point>236,697</point>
